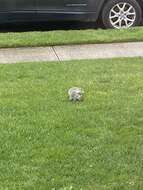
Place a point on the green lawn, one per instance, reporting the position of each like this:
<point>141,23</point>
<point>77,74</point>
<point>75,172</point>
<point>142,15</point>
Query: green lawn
<point>49,143</point>
<point>25,39</point>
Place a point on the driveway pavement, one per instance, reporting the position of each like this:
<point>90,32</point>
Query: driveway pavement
<point>71,52</point>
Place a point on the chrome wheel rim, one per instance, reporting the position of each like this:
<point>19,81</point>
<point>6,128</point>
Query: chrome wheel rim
<point>122,15</point>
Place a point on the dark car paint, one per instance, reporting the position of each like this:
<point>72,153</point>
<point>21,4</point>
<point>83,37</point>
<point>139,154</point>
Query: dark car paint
<point>30,10</point>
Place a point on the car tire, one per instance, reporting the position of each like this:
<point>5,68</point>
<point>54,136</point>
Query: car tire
<point>121,14</point>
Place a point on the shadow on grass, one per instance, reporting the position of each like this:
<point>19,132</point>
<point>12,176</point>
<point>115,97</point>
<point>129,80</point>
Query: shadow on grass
<point>48,26</point>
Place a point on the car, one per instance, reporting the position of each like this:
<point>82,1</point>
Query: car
<point>113,13</point>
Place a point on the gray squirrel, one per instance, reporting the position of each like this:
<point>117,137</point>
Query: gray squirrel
<point>76,94</point>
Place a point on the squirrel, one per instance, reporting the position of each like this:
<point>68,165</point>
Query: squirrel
<point>76,94</point>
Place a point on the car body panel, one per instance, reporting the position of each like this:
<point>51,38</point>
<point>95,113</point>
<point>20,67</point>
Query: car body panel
<point>62,5</point>
<point>30,10</point>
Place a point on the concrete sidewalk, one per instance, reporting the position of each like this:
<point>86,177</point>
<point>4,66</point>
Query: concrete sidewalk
<point>71,52</point>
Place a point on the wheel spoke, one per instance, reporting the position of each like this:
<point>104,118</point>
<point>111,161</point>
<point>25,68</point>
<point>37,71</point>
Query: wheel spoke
<point>126,23</point>
<point>124,5</point>
<point>128,19</point>
<point>114,16</point>
<point>113,11</point>
<point>129,9</point>
<point>129,14</point>
<point>120,23</point>
<point>118,5</point>
<point>117,21</point>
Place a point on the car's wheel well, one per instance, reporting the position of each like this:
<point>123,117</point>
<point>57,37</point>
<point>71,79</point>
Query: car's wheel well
<point>140,3</point>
